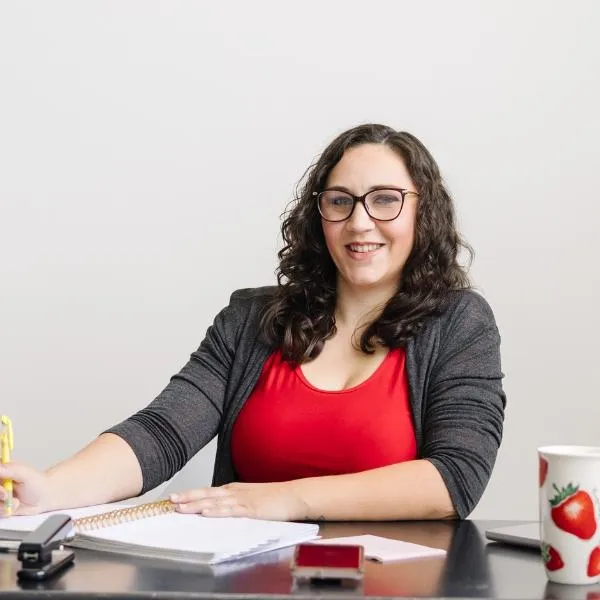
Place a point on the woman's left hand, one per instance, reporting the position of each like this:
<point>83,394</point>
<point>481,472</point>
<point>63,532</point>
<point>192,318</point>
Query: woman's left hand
<point>272,501</point>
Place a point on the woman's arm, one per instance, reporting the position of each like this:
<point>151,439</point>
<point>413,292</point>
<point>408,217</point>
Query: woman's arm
<point>147,448</point>
<point>409,490</point>
<point>463,414</point>
<point>153,444</point>
<point>106,470</point>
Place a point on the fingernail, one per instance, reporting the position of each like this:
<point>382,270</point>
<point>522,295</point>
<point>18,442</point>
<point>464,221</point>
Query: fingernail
<point>174,498</point>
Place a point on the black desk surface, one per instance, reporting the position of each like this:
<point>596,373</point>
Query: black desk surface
<point>472,568</point>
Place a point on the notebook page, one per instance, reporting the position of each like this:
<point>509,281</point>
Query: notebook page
<point>29,523</point>
<point>207,558</point>
<point>194,533</point>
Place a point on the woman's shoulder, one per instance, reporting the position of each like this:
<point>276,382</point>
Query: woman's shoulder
<point>251,299</point>
<point>246,306</point>
<point>466,314</point>
<point>463,314</point>
<point>467,304</point>
<point>240,318</point>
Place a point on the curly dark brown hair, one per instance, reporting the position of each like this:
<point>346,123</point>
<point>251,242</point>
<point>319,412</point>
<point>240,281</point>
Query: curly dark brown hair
<point>301,315</point>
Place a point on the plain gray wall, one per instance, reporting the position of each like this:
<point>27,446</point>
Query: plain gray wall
<point>148,148</point>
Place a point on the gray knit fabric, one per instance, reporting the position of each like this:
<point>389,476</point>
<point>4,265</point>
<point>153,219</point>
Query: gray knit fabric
<point>455,381</point>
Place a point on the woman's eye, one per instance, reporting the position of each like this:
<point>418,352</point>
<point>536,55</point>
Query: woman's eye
<point>340,200</point>
<point>385,199</point>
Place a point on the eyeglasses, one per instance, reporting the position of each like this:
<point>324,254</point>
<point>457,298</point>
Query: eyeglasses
<point>383,204</point>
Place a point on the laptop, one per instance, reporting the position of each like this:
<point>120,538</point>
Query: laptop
<point>524,534</point>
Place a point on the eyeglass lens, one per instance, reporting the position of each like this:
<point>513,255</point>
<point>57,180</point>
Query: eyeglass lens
<point>383,205</point>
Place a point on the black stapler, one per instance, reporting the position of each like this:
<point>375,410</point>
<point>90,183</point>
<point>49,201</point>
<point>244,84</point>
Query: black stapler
<point>41,552</point>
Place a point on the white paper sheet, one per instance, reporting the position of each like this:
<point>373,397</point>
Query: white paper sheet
<point>384,549</point>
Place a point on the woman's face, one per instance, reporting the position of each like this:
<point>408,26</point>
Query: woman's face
<point>368,253</point>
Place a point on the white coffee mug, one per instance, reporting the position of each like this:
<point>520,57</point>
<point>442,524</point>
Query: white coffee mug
<point>569,481</point>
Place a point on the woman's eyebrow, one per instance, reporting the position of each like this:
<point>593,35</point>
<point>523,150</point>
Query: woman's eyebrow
<point>343,188</point>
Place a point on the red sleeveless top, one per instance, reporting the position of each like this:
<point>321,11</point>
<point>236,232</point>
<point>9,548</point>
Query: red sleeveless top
<point>289,429</point>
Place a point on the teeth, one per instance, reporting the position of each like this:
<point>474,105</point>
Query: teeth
<point>364,247</point>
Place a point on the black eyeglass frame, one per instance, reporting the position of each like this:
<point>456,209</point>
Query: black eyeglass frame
<point>403,192</point>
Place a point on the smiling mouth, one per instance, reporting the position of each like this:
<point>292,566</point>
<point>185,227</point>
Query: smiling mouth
<point>362,248</point>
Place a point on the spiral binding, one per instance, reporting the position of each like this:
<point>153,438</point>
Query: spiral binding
<point>123,515</point>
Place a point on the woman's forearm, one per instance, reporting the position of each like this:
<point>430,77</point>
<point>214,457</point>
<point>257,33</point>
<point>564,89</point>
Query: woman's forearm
<point>106,470</point>
<point>410,490</point>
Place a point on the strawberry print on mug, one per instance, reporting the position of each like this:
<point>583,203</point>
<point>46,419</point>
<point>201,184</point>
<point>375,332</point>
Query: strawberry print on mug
<point>569,479</point>
<point>573,511</point>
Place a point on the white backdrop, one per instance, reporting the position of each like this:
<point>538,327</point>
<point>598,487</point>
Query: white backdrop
<point>148,148</point>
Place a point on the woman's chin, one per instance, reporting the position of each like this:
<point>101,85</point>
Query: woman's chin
<point>366,282</point>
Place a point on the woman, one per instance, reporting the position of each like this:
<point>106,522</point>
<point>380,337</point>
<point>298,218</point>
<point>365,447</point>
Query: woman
<point>366,385</point>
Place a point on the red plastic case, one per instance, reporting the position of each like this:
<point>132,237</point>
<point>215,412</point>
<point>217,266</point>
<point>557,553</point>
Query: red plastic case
<point>328,561</point>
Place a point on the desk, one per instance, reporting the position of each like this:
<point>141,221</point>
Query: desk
<point>472,568</point>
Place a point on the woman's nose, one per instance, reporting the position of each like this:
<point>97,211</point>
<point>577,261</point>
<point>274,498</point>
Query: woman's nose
<point>360,219</point>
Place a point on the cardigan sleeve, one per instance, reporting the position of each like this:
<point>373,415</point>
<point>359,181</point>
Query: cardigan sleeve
<point>464,409</point>
<point>187,414</point>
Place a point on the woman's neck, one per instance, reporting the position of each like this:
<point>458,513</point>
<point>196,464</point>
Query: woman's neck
<point>357,307</point>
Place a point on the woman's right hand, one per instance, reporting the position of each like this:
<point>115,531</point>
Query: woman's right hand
<point>31,489</point>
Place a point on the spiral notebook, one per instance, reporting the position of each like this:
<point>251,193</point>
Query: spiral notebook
<point>155,530</point>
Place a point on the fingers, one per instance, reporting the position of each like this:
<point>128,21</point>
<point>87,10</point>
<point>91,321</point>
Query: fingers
<point>237,510</point>
<point>194,506</point>
<point>224,501</point>
<point>15,471</point>
<point>201,494</point>
<point>17,508</point>
<point>215,507</point>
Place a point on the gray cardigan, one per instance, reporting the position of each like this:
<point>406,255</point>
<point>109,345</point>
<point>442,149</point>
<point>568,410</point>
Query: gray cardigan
<point>455,382</point>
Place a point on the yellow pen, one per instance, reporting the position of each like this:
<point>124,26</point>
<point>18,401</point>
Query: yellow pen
<point>6,445</point>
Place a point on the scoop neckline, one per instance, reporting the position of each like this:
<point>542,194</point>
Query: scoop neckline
<point>300,374</point>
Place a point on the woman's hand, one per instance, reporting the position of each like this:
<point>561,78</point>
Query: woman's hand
<point>31,489</point>
<point>272,501</point>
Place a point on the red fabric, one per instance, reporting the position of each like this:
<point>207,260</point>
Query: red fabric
<point>289,429</point>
